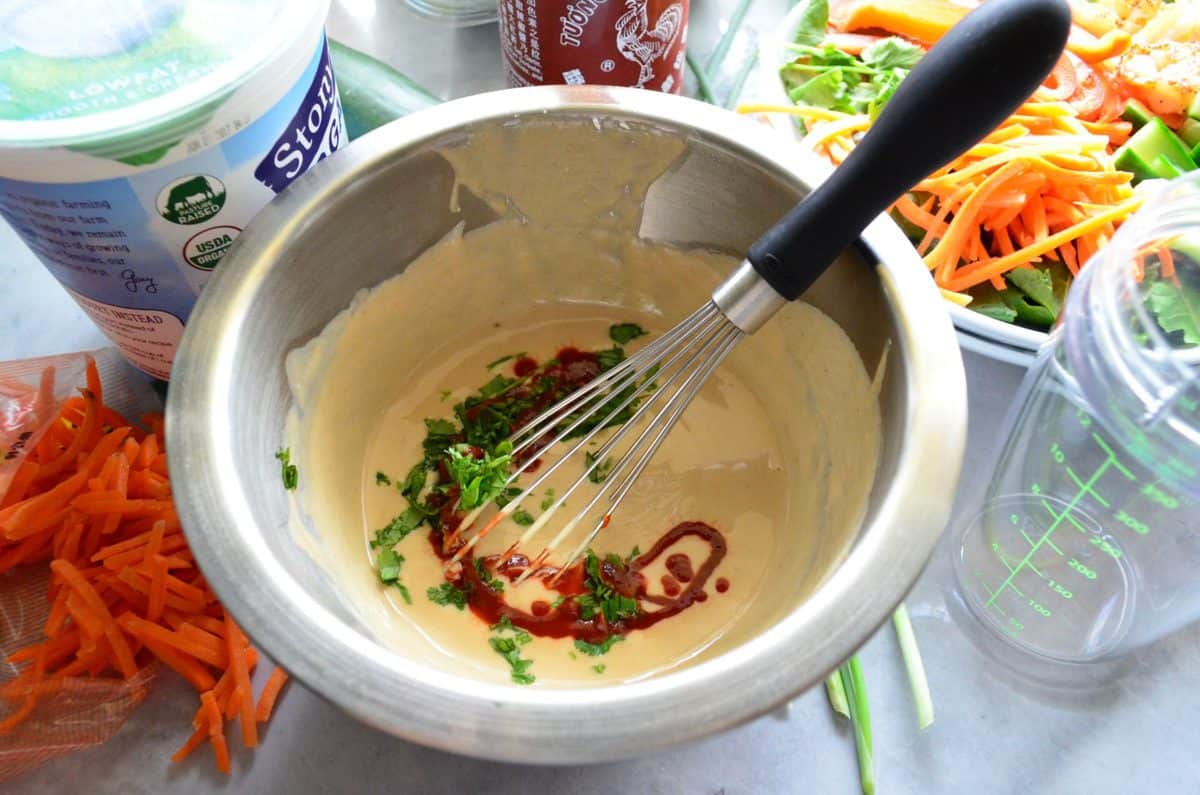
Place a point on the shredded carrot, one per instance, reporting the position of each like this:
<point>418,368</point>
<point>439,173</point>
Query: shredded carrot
<point>216,735</point>
<point>93,497</point>
<point>1166,261</point>
<point>971,275</point>
<point>236,649</point>
<point>979,217</point>
<point>270,692</point>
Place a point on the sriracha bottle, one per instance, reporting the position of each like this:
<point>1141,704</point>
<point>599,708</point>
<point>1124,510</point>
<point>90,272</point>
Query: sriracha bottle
<point>636,43</point>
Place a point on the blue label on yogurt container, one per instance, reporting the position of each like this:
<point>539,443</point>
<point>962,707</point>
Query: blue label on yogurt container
<point>314,132</point>
<point>135,251</point>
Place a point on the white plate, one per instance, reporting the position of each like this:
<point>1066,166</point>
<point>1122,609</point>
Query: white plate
<point>976,332</point>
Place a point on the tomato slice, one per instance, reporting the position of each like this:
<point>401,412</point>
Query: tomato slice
<point>1091,94</point>
<point>1063,81</point>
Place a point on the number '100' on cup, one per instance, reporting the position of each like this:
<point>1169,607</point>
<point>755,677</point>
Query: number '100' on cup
<point>137,138</point>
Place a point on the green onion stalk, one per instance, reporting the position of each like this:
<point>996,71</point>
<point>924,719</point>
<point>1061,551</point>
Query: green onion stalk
<point>855,686</point>
<point>837,694</point>
<point>704,89</point>
<point>911,654</point>
<point>726,41</point>
<point>703,73</point>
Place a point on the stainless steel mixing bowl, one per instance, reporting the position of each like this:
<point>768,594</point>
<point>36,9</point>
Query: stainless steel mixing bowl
<point>361,217</point>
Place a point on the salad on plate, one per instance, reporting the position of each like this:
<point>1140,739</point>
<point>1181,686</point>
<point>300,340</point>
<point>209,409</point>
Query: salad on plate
<point>1006,227</point>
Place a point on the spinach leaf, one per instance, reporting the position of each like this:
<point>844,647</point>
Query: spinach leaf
<point>813,20</point>
<point>892,53</point>
<point>1177,309</point>
<point>1032,296</point>
<point>987,300</point>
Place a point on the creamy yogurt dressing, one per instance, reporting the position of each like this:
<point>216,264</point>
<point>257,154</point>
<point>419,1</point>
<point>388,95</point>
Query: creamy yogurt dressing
<point>778,451</point>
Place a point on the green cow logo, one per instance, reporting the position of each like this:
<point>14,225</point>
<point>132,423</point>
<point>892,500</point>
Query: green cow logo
<point>191,200</point>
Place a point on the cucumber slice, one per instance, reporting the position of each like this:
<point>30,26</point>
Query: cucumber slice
<point>1136,113</point>
<point>1196,153</point>
<point>1131,161</point>
<point>1189,132</point>
<point>1165,168</point>
<point>1155,139</point>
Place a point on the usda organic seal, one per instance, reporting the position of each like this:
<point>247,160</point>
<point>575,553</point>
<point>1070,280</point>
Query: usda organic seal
<point>205,249</point>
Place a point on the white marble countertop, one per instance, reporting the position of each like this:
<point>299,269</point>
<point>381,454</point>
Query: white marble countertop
<point>994,733</point>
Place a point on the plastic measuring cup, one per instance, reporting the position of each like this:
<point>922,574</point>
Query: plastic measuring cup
<point>1088,541</point>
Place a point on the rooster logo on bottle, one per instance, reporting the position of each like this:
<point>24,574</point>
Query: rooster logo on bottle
<point>642,44</point>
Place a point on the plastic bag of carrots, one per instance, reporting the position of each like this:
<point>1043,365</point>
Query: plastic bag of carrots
<point>97,584</point>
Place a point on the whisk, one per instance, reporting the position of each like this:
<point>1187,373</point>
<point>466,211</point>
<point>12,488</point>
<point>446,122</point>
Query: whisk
<point>974,78</point>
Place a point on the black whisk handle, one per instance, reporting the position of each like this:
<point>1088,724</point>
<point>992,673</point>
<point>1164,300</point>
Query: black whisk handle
<point>961,90</point>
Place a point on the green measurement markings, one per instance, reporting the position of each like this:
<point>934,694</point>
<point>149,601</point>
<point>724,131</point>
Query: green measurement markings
<point>1084,488</point>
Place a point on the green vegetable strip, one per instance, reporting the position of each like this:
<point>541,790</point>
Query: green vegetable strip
<point>913,665</point>
<point>288,471</point>
<point>739,80</point>
<point>704,89</point>
<point>855,685</point>
<point>837,694</point>
<point>722,49</point>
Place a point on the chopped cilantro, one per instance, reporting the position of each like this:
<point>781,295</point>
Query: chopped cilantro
<point>497,386</point>
<point>610,357</point>
<point>439,435</point>
<point>509,646</point>
<point>414,481</point>
<point>389,572</point>
<point>398,528</point>
<point>599,668</point>
<point>587,606</point>
<point>597,649</point>
<point>445,395</point>
<point>633,553</point>
<point>601,597</point>
<point>558,602</point>
<point>504,359</point>
<point>600,473</point>
<point>548,500</point>
<point>389,562</point>
<point>622,333</point>
<point>382,480</point>
<point>479,479</point>
<point>506,496</point>
<point>447,595</point>
<point>291,476</point>
<point>522,517</point>
<point>490,580</point>
<point>440,427</point>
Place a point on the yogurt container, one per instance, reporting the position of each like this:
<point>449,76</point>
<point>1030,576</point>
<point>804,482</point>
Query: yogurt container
<point>137,138</point>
